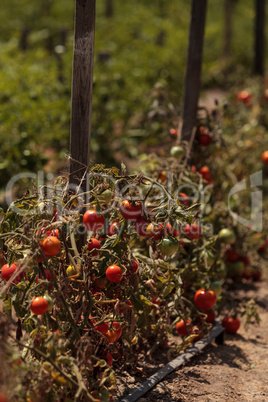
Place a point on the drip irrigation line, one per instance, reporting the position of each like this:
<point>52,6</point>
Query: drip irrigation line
<point>173,365</point>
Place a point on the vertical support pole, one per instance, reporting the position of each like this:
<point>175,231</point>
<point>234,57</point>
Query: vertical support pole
<point>227,37</point>
<point>81,108</point>
<point>259,42</point>
<point>194,66</point>
<point>109,11</point>
<point>82,83</point>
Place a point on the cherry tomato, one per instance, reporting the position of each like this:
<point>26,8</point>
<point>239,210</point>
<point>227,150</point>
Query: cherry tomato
<point>192,231</point>
<point>140,226</point>
<point>227,236</point>
<point>114,273</point>
<point>170,230</point>
<point>117,328</point>
<point>264,157</point>
<point>51,246</point>
<point>109,358</point>
<point>184,199</point>
<point>204,136</point>
<point>113,229</point>
<point>39,305</point>
<point>111,335</point>
<point>211,317</point>
<point>131,210</point>
<point>134,266</point>
<point>245,97</point>
<point>174,132</point>
<point>93,243</point>
<point>93,221</point>
<point>204,299</point>
<point>183,327</point>
<point>155,231</point>
<point>205,172</point>
<point>231,324</point>
<point>3,398</point>
<point>9,270</point>
<point>231,255</point>
<point>168,245</point>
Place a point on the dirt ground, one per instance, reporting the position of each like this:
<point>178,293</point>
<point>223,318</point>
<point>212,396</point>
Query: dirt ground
<point>234,371</point>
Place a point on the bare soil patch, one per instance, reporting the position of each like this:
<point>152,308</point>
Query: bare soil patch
<point>234,371</point>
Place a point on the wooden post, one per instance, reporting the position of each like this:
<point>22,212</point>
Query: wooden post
<point>259,37</point>
<point>109,11</point>
<point>193,68</point>
<point>227,29</point>
<point>83,56</point>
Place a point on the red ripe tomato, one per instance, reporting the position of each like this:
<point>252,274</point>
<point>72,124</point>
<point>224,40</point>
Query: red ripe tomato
<point>141,226</point>
<point>204,136</point>
<point>162,177</point>
<point>244,96</point>
<point>111,335</point>
<point>114,273</point>
<point>93,221</point>
<point>3,398</point>
<point>109,358</point>
<point>261,250</point>
<point>117,328</point>
<point>93,243</point>
<point>8,271</point>
<point>231,255</point>
<point>183,327</point>
<point>113,229</point>
<point>155,231</point>
<point>102,328</point>
<point>231,324</point>
<point>174,132</point>
<point>134,266</point>
<point>184,199</point>
<point>171,230</point>
<point>204,299</point>
<point>39,305</point>
<point>264,157</point>
<point>53,232</point>
<point>124,307</point>
<point>211,317</point>
<point>192,231</point>
<point>155,300</point>
<point>131,210</point>
<point>51,246</point>
<point>205,173</point>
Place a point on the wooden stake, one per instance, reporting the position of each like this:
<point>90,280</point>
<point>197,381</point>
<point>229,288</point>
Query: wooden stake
<point>83,57</point>
<point>259,37</point>
<point>194,65</point>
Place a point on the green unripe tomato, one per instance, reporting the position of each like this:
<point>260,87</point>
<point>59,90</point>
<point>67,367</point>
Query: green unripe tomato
<point>177,152</point>
<point>235,269</point>
<point>49,302</point>
<point>216,287</point>
<point>227,236</point>
<point>168,245</point>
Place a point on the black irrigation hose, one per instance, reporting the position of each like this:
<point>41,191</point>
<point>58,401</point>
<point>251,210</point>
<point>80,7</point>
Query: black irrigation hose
<point>173,365</point>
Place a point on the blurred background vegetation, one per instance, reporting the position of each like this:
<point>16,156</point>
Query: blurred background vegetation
<point>140,56</point>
